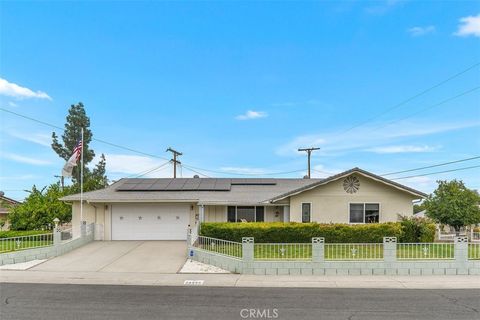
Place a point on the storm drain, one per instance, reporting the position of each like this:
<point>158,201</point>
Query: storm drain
<point>193,282</point>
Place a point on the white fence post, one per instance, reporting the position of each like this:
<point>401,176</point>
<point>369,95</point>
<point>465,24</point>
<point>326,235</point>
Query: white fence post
<point>248,244</point>
<point>461,249</point>
<point>318,249</point>
<point>390,249</point>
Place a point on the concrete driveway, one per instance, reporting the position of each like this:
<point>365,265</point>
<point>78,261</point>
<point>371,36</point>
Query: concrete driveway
<point>121,256</point>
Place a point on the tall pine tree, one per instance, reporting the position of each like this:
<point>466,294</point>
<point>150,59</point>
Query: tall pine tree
<point>76,120</point>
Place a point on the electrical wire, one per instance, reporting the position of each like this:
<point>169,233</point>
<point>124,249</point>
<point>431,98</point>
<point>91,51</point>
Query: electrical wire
<point>432,166</point>
<point>411,98</point>
<point>438,172</point>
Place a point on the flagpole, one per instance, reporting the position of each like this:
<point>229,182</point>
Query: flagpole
<point>81,183</point>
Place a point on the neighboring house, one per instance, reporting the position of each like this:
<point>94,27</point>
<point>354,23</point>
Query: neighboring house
<point>162,209</point>
<point>420,214</point>
<point>5,205</point>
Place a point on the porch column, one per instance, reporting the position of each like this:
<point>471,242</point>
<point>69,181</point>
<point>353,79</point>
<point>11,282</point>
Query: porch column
<point>286,213</point>
<point>202,213</point>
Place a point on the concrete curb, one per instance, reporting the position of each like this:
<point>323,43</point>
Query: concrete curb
<point>237,280</point>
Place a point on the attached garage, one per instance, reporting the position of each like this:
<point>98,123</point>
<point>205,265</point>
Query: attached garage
<point>141,221</point>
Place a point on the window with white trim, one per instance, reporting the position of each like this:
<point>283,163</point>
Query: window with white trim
<point>364,212</point>
<point>245,213</point>
<point>306,212</point>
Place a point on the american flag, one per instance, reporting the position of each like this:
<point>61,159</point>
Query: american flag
<point>77,151</point>
<point>72,161</point>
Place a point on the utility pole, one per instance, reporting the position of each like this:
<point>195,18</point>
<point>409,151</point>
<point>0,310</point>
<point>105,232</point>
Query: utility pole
<point>62,180</point>
<point>174,160</point>
<point>309,153</point>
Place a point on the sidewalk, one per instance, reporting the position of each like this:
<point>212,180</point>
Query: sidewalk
<point>238,280</point>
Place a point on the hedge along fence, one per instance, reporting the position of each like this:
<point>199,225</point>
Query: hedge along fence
<point>14,233</point>
<point>293,232</point>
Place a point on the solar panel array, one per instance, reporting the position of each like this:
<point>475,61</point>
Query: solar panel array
<point>188,184</point>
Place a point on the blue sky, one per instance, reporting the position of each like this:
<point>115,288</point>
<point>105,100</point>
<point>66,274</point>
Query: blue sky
<point>238,87</point>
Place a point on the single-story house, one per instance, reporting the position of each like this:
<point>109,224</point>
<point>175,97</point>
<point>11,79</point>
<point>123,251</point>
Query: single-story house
<point>163,209</point>
<point>6,204</point>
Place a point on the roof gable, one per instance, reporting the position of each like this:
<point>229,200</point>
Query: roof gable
<point>345,174</point>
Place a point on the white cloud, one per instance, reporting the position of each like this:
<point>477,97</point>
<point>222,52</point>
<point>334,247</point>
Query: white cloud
<point>469,26</point>
<point>421,31</point>
<point>250,115</point>
<point>10,89</point>
<point>28,160</point>
<point>244,170</point>
<point>335,143</point>
<point>12,104</point>
<point>20,177</point>
<point>43,139</point>
<point>425,184</point>
<point>122,165</point>
<point>402,149</point>
<point>382,7</point>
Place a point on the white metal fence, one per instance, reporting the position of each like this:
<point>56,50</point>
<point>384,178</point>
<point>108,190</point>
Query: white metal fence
<point>225,247</point>
<point>353,251</point>
<point>423,251</point>
<point>282,251</point>
<point>475,236</point>
<point>474,251</point>
<point>26,242</point>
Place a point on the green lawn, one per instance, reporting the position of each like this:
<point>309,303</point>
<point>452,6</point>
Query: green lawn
<point>474,251</point>
<point>344,252</point>
<point>427,251</point>
<point>9,245</point>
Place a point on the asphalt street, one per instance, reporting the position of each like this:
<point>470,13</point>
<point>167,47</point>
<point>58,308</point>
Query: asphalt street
<point>67,301</point>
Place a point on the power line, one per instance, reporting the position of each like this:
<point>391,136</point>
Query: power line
<point>411,98</point>
<point>243,174</point>
<point>152,170</point>
<point>94,139</point>
<point>432,166</point>
<point>429,174</point>
<point>191,168</point>
<point>429,107</point>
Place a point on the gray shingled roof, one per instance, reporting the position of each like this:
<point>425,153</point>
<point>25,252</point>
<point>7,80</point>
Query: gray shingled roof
<point>239,191</point>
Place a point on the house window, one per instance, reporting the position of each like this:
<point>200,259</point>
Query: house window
<point>260,214</point>
<point>364,212</point>
<point>245,213</point>
<point>231,214</point>
<point>306,212</point>
<point>372,212</point>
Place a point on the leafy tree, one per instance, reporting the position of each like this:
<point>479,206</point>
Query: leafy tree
<point>40,208</point>
<point>76,120</point>
<point>453,204</point>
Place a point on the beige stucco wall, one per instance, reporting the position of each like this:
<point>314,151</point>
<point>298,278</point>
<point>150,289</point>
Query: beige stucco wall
<point>101,213</point>
<point>330,202</point>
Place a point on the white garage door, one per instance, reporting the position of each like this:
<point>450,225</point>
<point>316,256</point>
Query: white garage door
<point>150,221</point>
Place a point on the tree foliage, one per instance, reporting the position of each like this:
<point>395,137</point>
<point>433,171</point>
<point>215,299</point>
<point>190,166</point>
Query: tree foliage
<point>40,208</point>
<point>76,120</point>
<point>453,204</point>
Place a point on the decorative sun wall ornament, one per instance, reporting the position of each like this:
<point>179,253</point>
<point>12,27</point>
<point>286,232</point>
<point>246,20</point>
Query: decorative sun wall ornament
<point>351,184</point>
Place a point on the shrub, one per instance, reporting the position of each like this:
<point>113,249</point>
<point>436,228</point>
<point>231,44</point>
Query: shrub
<point>11,234</point>
<point>417,230</point>
<point>278,232</point>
